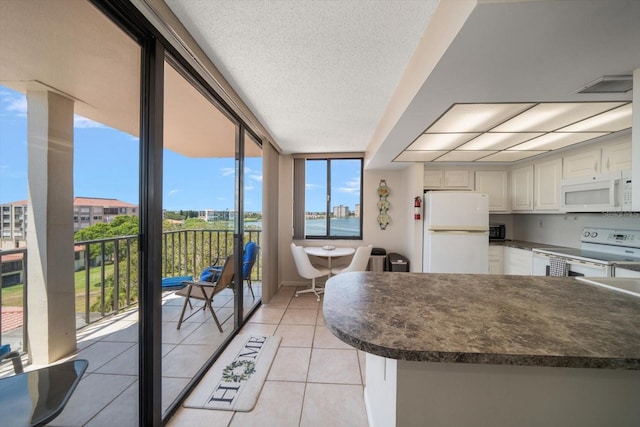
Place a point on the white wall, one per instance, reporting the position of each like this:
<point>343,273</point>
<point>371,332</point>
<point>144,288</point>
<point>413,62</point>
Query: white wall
<point>394,238</point>
<point>399,236</point>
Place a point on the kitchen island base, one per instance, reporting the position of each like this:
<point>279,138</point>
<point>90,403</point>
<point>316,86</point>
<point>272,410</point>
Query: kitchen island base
<point>410,393</point>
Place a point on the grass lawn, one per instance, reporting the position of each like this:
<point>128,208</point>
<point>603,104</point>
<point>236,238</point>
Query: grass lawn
<point>12,296</point>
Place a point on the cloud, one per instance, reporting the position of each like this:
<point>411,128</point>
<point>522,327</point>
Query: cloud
<point>80,122</point>
<point>227,171</point>
<point>309,186</point>
<point>173,192</point>
<point>351,187</point>
<point>13,102</point>
<point>254,174</point>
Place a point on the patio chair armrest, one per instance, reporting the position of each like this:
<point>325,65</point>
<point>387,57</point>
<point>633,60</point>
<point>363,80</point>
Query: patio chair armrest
<point>15,358</point>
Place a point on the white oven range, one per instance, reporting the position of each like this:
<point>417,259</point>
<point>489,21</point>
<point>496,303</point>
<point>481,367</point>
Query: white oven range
<point>600,250</point>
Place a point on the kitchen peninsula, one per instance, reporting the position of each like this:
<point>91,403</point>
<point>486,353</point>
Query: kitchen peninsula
<point>494,350</point>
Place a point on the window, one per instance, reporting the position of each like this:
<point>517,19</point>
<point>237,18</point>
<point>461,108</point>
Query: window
<point>327,198</point>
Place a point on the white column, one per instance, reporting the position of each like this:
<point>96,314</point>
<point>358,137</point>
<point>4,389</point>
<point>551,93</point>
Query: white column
<point>635,143</point>
<point>51,293</point>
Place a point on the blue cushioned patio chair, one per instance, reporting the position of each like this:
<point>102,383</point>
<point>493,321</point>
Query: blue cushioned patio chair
<point>248,261</point>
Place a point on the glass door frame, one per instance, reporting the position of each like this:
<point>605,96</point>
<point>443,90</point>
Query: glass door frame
<point>155,48</point>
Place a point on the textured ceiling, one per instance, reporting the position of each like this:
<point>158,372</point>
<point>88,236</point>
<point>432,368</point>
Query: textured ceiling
<point>335,76</point>
<point>318,74</point>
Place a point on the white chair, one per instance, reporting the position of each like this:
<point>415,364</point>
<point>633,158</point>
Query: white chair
<point>307,270</point>
<point>358,262</point>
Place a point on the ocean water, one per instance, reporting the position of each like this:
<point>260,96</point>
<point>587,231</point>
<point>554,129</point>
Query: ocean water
<point>339,227</point>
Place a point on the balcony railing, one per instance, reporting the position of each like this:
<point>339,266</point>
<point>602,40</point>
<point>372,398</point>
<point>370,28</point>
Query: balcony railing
<point>106,274</point>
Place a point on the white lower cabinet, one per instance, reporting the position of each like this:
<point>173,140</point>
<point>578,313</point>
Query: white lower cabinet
<point>518,261</point>
<point>620,272</point>
<point>496,265</point>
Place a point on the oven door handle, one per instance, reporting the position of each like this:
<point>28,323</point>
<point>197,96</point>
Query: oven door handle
<point>571,261</point>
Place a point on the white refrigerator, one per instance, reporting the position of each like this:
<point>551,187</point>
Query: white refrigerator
<point>456,232</point>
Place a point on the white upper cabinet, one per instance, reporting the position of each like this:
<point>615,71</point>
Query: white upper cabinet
<point>494,183</point>
<point>453,179</point>
<point>610,158</point>
<point>522,188</point>
<point>433,179</point>
<point>581,164</point>
<point>616,157</point>
<point>546,185</point>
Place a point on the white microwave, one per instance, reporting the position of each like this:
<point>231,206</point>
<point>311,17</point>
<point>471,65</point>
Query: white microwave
<point>597,193</point>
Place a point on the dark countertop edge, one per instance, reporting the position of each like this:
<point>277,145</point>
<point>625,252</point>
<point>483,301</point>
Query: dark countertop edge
<point>583,362</point>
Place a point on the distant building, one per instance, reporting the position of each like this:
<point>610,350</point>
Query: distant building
<point>89,211</point>
<point>357,210</point>
<point>210,215</point>
<point>341,211</point>
<point>86,211</point>
<point>13,223</point>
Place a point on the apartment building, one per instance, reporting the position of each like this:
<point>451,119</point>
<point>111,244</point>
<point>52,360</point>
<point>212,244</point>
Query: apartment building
<point>87,211</point>
<point>13,224</point>
<point>341,211</point>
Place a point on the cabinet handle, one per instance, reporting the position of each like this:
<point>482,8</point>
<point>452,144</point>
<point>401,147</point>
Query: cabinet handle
<point>595,166</point>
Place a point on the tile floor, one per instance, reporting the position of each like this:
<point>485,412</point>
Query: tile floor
<point>108,392</point>
<point>315,379</point>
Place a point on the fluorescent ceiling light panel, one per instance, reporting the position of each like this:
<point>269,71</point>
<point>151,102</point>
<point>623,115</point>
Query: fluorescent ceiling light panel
<point>441,141</point>
<point>474,132</point>
<point>555,140</point>
<point>463,156</point>
<point>548,117</point>
<point>610,121</point>
<point>509,156</point>
<point>419,156</point>
<point>497,141</point>
<point>475,117</point>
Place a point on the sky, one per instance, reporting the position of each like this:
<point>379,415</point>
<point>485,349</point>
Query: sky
<point>345,184</point>
<point>106,165</point>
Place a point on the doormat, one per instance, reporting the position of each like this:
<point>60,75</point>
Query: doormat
<point>235,380</point>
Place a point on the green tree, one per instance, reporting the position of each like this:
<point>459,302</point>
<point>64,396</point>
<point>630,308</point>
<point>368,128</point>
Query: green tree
<point>124,225</point>
<point>176,216</point>
<point>195,224</point>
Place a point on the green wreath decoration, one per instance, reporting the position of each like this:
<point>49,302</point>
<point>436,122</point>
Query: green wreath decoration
<point>238,371</point>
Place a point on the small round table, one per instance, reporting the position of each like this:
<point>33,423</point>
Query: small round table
<point>328,253</point>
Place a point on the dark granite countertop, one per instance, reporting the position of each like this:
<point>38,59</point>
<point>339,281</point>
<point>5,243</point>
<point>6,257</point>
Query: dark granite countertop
<point>491,319</point>
<point>522,244</point>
